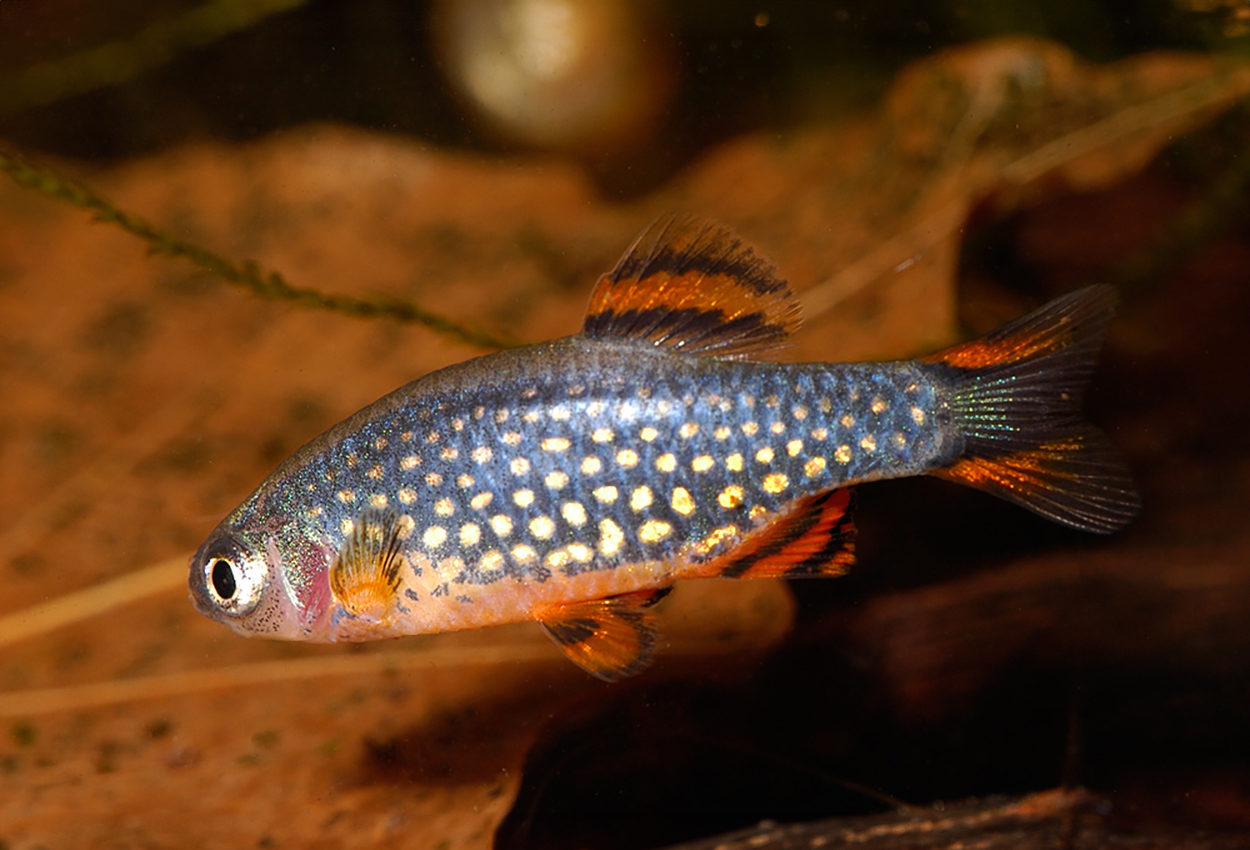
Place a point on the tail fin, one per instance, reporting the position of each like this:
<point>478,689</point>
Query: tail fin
<point>1016,399</point>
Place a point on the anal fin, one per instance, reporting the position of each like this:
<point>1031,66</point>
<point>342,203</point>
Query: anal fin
<point>814,538</point>
<point>609,638</point>
<point>364,578</point>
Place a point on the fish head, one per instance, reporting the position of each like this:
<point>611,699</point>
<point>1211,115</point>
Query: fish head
<point>261,584</point>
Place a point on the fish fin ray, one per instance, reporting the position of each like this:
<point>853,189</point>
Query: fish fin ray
<point>364,578</point>
<point>610,638</point>
<point>815,537</point>
<point>1015,397</point>
<point>693,286</point>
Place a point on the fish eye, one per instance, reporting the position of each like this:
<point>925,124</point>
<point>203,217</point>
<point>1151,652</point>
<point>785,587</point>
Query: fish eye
<point>235,581</point>
<point>221,577</point>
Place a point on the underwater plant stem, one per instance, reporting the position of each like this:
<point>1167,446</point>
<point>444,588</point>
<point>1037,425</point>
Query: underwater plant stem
<point>117,62</point>
<point>248,275</point>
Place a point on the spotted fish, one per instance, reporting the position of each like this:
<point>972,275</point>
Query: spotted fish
<point>573,482</point>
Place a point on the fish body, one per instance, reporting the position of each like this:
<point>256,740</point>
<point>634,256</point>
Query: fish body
<point>573,482</point>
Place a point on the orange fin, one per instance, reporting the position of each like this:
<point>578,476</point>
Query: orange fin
<point>610,638</point>
<point>814,538</point>
<point>1072,326</point>
<point>1015,398</point>
<point>364,577</point>
<point>1076,478</point>
<point>693,286</point>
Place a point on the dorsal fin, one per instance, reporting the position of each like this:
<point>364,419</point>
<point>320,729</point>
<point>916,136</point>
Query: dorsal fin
<point>813,538</point>
<point>694,286</point>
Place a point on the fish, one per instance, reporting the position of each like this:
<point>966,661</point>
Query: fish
<point>573,482</point>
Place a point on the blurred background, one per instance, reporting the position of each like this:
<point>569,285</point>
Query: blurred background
<point>975,650</point>
<point>631,89</point>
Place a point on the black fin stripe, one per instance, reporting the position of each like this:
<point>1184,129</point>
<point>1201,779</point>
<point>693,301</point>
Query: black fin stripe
<point>734,259</point>
<point>839,541</point>
<point>569,632</point>
<point>700,329</point>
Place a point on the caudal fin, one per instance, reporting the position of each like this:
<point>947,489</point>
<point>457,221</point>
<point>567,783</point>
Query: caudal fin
<point>1016,399</point>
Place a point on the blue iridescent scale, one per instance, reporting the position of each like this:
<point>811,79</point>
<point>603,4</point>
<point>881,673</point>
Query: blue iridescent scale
<point>589,455</point>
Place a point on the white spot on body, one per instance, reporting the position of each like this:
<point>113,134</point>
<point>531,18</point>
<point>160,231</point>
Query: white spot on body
<point>654,530</point>
<point>640,499</point>
<point>542,527</point>
<point>682,501</point>
<point>610,537</point>
<point>501,525</point>
<point>573,513</point>
<point>775,482</point>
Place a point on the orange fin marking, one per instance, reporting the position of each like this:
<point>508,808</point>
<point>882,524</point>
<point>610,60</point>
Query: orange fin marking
<point>815,537</point>
<point>364,577</point>
<point>693,286</point>
<point>610,638</point>
<point>1078,318</point>
<point>1077,480</point>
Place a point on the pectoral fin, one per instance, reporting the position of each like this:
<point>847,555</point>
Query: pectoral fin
<point>610,638</point>
<point>364,578</point>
